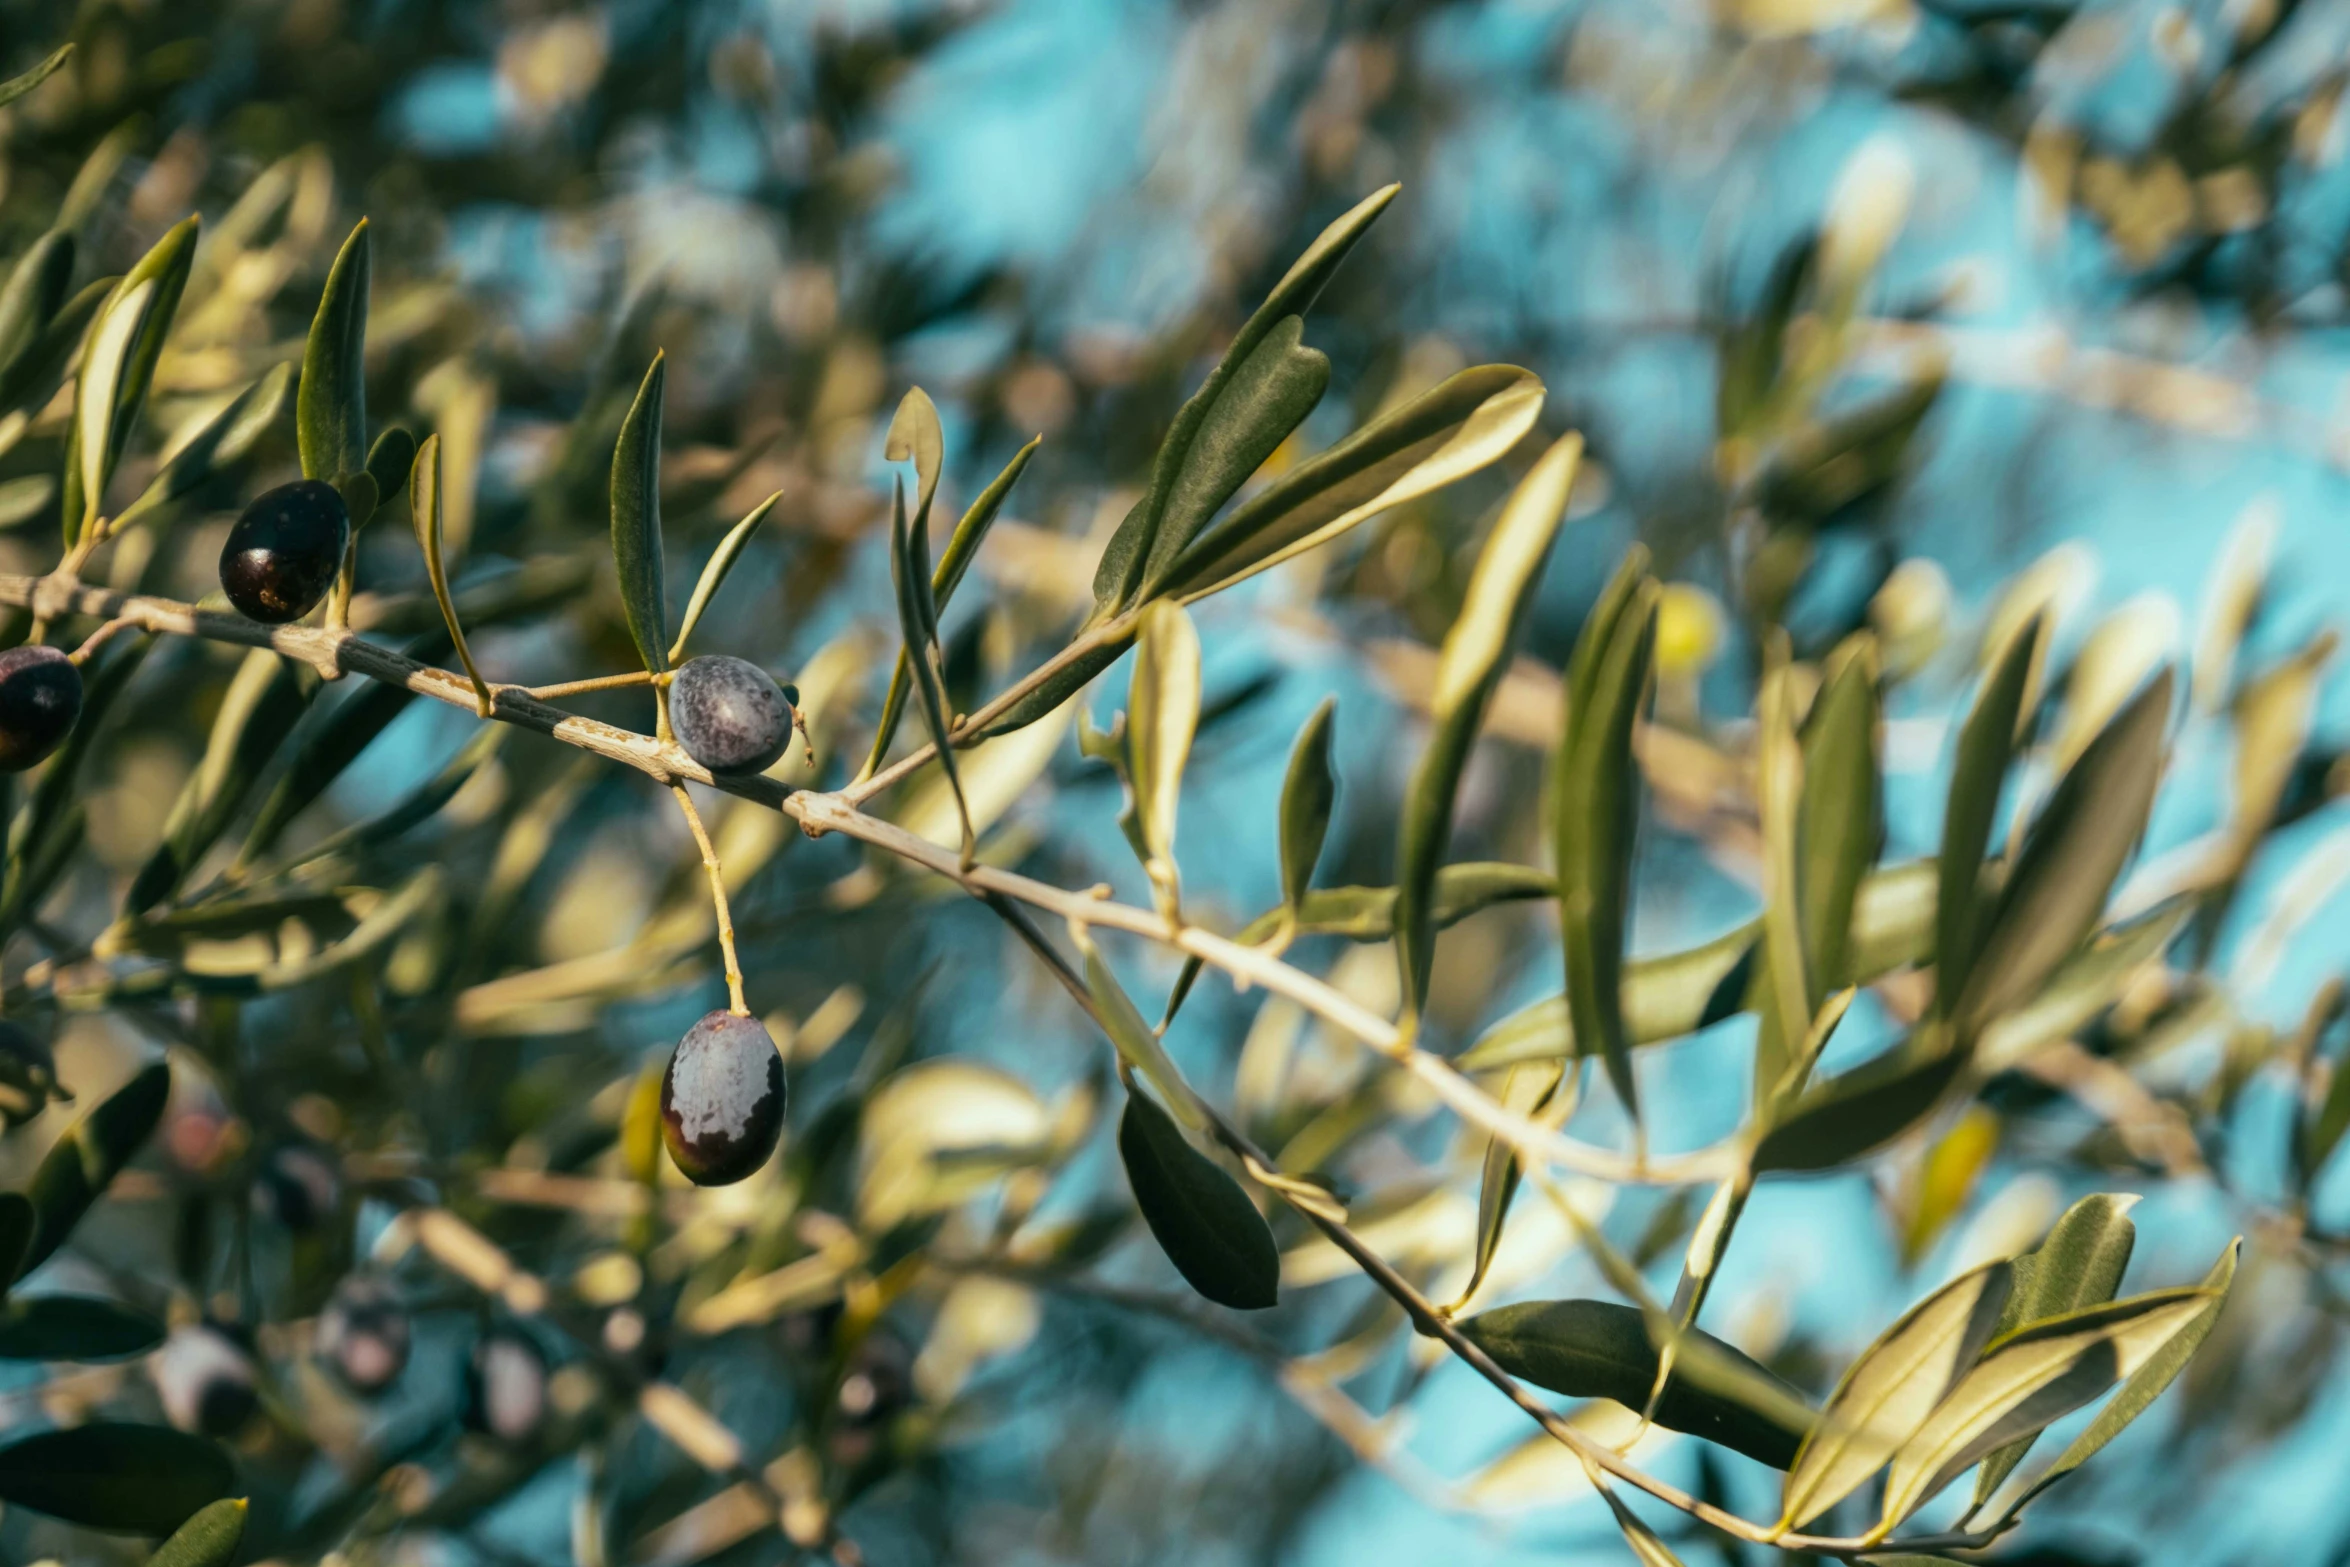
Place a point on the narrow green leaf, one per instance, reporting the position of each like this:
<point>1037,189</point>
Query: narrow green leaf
<point>17,86</point>
<point>2083,986</point>
<point>1475,653</point>
<point>1597,1349</point>
<point>1841,824</point>
<point>74,1327</point>
<point>2037,1374</point>
<point>1528,1090</point>
<point>32,377</point>
<point>166,266</point>
<point>1647,1548</point>
<point>714,571</point>
<point>1887,1393</point>
<point>2080,1264</point>
<point>1198,1214</point>
<point>1986,745</point>
<point>1162,714</point>
<point>1308,791</point>
<point>389,461</point>
<point>426,511</point>
<point>227,438</point>
<point>636,520</point>
<point>1783,983</point>
<point>1595,803</point>
<point>1065,683</point>
<point>43,829</point>
<point>2153,1374</point>
<point>330,412</point>
<point>264,701</point>
<point>917,624</point>
<point>77,1169</point>
<point>115,1476</point>
<point>1131,549</point>
<point>962,549</point>
<point>2070,860</point>
<point>35,292</point>
<point>97,395</point>
<point>1844,1117</point>
<point>210,1539</point>
<point>1137,1046</point>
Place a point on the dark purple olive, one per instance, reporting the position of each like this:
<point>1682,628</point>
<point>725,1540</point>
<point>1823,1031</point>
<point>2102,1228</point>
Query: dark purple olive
<point>506,1386</point>
<point>722,1099</point>
<point>28,1076</point>
<point>363,1334</point>
<point>205,1380</point>
<point>40,697</point>
<point>729,714</point>
<point>283,553</point>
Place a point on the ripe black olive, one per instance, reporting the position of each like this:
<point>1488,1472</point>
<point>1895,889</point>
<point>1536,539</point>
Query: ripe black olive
<point>28,1076</point>
<point>722,1099</point>
<point>205,1380</point>
<point>363,1334</point>
<point>40,697</point>
<point>506,1386</point>
<point>284,551</point>
<point>729,714</point>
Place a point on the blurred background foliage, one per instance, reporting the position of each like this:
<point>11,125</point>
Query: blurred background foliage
<point>1893,314</point>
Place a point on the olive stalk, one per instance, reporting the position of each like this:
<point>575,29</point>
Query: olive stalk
<point>710,867</point>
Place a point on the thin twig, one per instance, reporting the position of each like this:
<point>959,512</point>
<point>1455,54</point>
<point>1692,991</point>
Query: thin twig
<point>710,867</point>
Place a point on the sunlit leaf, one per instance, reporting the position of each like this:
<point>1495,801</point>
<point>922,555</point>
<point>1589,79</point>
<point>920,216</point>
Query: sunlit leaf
<point>917,623</point>
<point>1840,824</point>
<point>1784,983</point>
<point>1198,1214</point>
<point>1986,745</point>
<point>940,1132</point>
<point>1945,1178</point>
<point>1136,1044</point>
<point>123,1478</point>
<point>2037,1374</point>
<point>1445,434</point>
<point>17,86</point>
<point>1308,791</point>
<point>330,411</point>
<point>74,1327</point>
<point>227,438</point>
<point>636,520</point>
<point>81,1164</point>
<point>2069,861</point>
<point>210,1539</point>
<point>426,510</point>
<point>36,290</point>
<point>1162,713</point>
<point>1888,1392</point>
<point>1596,1349</point>
<point>714,571</point>
<point>1476,651</point>
<point>97,395</point>
<point>2080,1264</point>
<point>1527,1090</point>
<point>1205,443</point>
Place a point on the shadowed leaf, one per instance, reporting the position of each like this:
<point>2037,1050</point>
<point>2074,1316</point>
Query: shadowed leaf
<point>17,86</point>
<point>714,572</point>
<point>110,1475</point>
<point>1986,745</point>
<point>81,1164</point>
<point>330,412</point>
<point>74,1327</point>
<point>636,520</point>
<point>1198,1214</point>
<point>1308,791</point>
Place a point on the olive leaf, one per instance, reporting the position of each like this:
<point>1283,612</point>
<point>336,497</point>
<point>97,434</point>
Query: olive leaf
<point>426,512</point>
<point>1162,714</point>
<point>1137,1046</point>
<point>35,292</point>
<point>2070,860</point>
<point>97,398</point>
<point>1198,1214</point>
<point>81,1164</point>
<point>1887,1393</point>
<point>1475,653</point>
<point>112,1475</point>
<point>28,380</point>
<point>227,438</point>
<point>1528,1090</point>
<point>1595,812</point>
<point>962,548</point>
<point>18,1220</point>
<point>17,86</point>
<point>2084,985</point>
<point>210,1539</point>
<point>1308,791</point>
<point>909,561</point>
<point>714,571</point>
<point>2037,1374</point>
<point>1207,453</point>
<point>2155,1372</point>
<point>1597,1349</point>
<point>1647,1548</point>
<point>636,520</point>
<point>1843,1117</point>
<point>330,411</point>
<point>389,462</point>
<point>1986,745</point>
<point>264,700</point>
<point>74,1327</point>
<point>1465,423</point>
<point>2080,1264</point>
<point>1840,823</point>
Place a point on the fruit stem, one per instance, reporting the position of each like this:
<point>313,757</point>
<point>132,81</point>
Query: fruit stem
<point>734,972</point>
<point>98,638</point>
<point>634,677</point>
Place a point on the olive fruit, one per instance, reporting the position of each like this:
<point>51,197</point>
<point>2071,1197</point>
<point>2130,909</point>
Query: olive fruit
<point>722,1099</point>
<point>363,1334</point>
<point>40,697</point>
<point>298,1187</point>
<point>205,1380</point>
<point>505,1386</point>
<point>285,549</point>
<point>28,1076</point>
<point>729,714</point>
